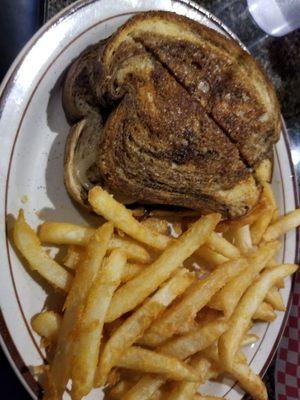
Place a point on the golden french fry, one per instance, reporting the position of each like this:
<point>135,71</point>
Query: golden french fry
<point>269,195</point>
<point>270,198</point>
<point>205,369</point>
<point>65,233</point>
<point>241,372</point>
<point>230,340</point>
<point>241,238</point>
<point>264,312</point>
<point>181,347</point>
<point>280,284</point>
<point>104,204</point>
<point>60,367</point>
<point>118,391</point>
<point>159,395</point>
<point>260,226</point>
<point>89,331</point>
<point>47,324</point>
<point>134,292</point>
<point>249,381</point>
<point>274,298</point>
<point>209,257</point>
<point>222,246</point>
<point>134,251</point>
<point>272,263</point>
<point>27,242</point>
<point>282,225</point>
<point>192,302</point>
<point>227,298</point>
<point>73,255</point>
<point>184,346</point>
<point>132,270</point>
<point>72,234</point>
<point>249,338</point>
<point>149,361</point>
<point>147,386</point>
<point>138,322</point>
<point>207,314</point>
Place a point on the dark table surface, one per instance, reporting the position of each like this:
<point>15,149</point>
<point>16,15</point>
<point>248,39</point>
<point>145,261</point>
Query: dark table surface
<point>280,57</point>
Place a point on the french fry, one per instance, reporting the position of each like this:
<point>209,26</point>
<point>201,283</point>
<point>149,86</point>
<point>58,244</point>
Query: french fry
<point>222,246</point>
<point>270,197</point>
<point>91,323</point>
<point>249,381</point>
<point>60,367</point>
<point>227,298</point>
<point>249,338</point>
<point>207,314</point>
<point>209,257</point>
<point>74,253</point>
<point>274,298</point>
<point>65,233</point>
<point>159,395</point>
<point>269,194</point>
<point>185,346</point>
<point>72,234</point>
<point>131,270</point>
<point>134,292</point>
<point>134,251</point>
<point>205,368</point>
<point>264,312</point>
<point>144,388</point>
<point>272,263</point>
<point>118,391</point>
<point>27,242</point>
<point>72,258</point>
<point>241,372</point>
<point>192,302</point>
<point>260,226</point>
<point>47,324</point>
<point>181,347</point>
<point>230,340</point>
<point>138,322</point>
<point>280,284</point>
<point>282,225</point>
<point>242,238</point>
<point>104,204</point>
<point>139,359</point>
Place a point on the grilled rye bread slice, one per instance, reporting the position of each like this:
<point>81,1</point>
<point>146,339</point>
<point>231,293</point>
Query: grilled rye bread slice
<point>187,125</point>
<point>229,84</point>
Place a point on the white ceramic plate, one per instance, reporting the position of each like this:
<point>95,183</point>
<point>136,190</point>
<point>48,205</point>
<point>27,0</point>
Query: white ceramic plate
<point>33,132</point>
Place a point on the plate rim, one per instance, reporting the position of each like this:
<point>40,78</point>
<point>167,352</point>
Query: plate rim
<point>7,343</point>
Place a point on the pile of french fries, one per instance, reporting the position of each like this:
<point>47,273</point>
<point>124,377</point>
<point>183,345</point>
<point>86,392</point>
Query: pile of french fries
<point>156,307</point>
